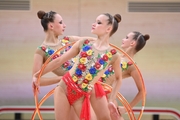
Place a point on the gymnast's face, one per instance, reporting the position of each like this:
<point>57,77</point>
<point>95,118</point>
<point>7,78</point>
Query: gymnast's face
<point>128,41</point>
<point>100,26</point>
<point>58,27</point>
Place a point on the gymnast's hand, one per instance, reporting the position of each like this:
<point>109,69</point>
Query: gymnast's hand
<point>35,83</point>
<point>113,111</point>
<point>121,110</point>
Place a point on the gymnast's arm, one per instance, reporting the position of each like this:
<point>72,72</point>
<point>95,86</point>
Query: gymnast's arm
<point>76,38</point>
<point>37,65</point>
<point>118,80</point>
<point>60,60</point>
<point>44,81</point>
<point>137,79</point>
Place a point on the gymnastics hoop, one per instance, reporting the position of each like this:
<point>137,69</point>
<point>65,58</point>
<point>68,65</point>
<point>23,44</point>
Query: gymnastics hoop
<point>36,90</point>
<point>141,78</point>
<point>106,87</point>
<point>120,97</point>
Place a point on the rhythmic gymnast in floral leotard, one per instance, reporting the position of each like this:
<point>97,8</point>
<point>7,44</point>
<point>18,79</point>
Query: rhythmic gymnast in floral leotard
<point>53,26</point>
<point>93,58</point>
<point>133,43</point>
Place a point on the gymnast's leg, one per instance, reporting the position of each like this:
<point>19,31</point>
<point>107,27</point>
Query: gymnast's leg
<point>61,104</point>
<point>100,106</point>
<point>78,106</point>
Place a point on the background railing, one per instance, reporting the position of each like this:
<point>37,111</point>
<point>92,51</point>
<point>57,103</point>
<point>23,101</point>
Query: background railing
<point>18,111</point>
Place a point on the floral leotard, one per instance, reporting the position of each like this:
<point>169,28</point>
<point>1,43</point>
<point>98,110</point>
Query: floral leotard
<point>89,65</point>
<point>99,91</point>
<point>80,82</point>
<point>49,51</point>
<point>110,71</point>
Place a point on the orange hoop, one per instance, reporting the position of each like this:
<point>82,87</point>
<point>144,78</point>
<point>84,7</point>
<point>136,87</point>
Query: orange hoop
<point>141,78</point>
<point>41,102</point>
<point>119,96</point>
<point>121,99</point>
<point>36,90</point>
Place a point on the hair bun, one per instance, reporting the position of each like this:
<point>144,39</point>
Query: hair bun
<point>117,17</point>
<point>146,37</point>
<point>41,14</point>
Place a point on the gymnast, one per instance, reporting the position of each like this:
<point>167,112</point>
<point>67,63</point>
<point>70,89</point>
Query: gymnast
<point>131,44</point>
<point>93,58</point>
